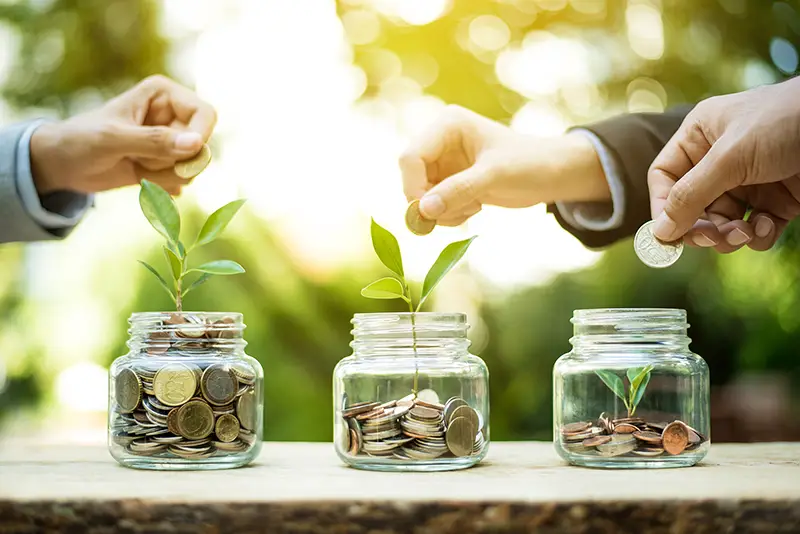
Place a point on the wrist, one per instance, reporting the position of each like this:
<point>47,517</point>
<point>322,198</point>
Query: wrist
<point>582,176</point>
<point>47,169</point>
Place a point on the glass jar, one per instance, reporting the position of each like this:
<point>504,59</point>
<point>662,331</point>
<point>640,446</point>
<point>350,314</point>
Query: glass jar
<point>631,394</point>
<point>186,396</point>
<point>411,397</point>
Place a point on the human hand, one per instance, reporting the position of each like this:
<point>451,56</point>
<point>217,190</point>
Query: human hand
<point>465,160</point>
<point>731,153</point>
<point>139,134</point>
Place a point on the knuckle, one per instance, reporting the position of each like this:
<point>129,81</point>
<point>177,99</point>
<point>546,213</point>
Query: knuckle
<point>681,196</point>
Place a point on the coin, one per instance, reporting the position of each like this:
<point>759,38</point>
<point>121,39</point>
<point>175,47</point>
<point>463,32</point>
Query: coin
<point>174,384</point>
<point>195,420</point>
<point>427,396</point>
<point>574,428</point>
<point>649,451</point>
<point>415,222</point>
<point>620,444</point>
<point>451,405</point>
<point>625,428</point>
<point>127,390</point>
<point>648,437</point>
<point>460,436</point>
<point>675,437</point>
<point>219,384</point>
<point>596,440</point>
<point>246,410</point>
<point>654,252</point>
<point>469,413</point>
<point>195,165</point>
<point>227,428</point>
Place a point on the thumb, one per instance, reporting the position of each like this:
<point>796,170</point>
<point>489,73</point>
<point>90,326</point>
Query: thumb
<point>449,196</point>
<point>156,142</point>
<point>679,203</point>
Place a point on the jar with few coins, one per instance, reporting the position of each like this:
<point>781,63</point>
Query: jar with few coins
<point>631,394</point>
<point>185,396</point>
<point>411,397</point>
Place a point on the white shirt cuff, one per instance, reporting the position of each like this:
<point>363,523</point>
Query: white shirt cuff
<point>598,216</point>
<point>69,215</point>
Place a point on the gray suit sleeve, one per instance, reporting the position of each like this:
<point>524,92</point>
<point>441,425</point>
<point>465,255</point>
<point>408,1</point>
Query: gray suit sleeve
<point>16,223</point>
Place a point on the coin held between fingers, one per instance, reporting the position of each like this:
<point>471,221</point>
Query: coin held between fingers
<point>652,251</point>
<point>415,221</point>
<point>193,166</point>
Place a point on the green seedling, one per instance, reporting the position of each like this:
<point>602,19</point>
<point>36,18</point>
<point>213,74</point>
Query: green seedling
<point>162,213</point>
<point>638,378</point>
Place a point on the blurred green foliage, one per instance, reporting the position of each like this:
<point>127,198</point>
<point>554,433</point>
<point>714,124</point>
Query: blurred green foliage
<point>742,307</point>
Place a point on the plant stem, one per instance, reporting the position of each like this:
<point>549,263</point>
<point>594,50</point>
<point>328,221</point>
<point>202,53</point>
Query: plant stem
<point>415,388</point>
<point>178,296</point>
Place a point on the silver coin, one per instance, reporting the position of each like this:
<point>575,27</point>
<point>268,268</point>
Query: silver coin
<point>654,252</point>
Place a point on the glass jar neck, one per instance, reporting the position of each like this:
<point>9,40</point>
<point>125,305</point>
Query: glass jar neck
<point>409,334</point>
<point>189,333</point>
<point>630,329</point>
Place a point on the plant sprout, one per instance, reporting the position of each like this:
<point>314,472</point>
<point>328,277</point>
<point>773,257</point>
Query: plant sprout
<point>160,210</point>
<point>396,286</point>
<point>638,378</point>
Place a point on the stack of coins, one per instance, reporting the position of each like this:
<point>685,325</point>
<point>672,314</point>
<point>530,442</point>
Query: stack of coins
<point>412,428</point>
<point>188,406</point>
<point>629,436</point>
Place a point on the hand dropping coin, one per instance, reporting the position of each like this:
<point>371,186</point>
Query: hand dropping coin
<point>415,222</point>
<point>652,251</point>
<point>193,166</point>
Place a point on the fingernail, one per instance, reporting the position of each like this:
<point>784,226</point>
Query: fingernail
<point>664,228</point>
<point>764,226</point>
<point>188,141</point>
<point>737,237</point>
<point>702,240</point>
<point>431,206</point>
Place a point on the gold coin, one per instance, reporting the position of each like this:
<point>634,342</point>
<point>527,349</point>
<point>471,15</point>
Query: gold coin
<point>195,165</point>
<point>127,390</point>
<point>469,413</point>
<point>415,222</point>
<point>219,384</point>
<point>246,410</point>
<point>675,437</point>
<point>227,428</point>
<point>174,384</point>
<point>195,420</point>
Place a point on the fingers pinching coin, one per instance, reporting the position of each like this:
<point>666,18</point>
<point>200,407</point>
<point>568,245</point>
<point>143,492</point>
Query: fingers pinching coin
<point>189,168</point>
<point>652,251</point>
<point>415,222</point>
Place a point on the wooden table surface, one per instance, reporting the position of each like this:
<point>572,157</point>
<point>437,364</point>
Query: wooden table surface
<point>302,487</point>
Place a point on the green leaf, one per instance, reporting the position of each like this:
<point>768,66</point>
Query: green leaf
<point>638,385</point>
<point>219,267</point>
<point>160,210</point>
<point>385,288</point>
<point>446,261</point>
<point>217,222</point>
<point>614,383</point>
<point>202,279</point>
<point>160,279</point>
<point>174,263</point>
<point>631,373</point>
<point>387,249</point>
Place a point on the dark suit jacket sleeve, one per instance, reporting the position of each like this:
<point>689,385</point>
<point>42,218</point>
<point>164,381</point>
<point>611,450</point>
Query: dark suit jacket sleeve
<point>633,141</point>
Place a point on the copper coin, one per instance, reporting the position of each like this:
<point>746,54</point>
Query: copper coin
<point>597,440</point>
<point>172,421</point>
<point>416,223</point>
<point>359,408</point>
<point>575,428</point>
<point>355,446</point>
<point>625,428</point>
<point>648,437</point>
<point>431,405</point>
<point>658,426</point>
<point>675,437</point>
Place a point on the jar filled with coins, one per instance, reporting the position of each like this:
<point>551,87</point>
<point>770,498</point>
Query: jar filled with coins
<point>631,394</point>
<point>411,397</point>
<point>186,396</point>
